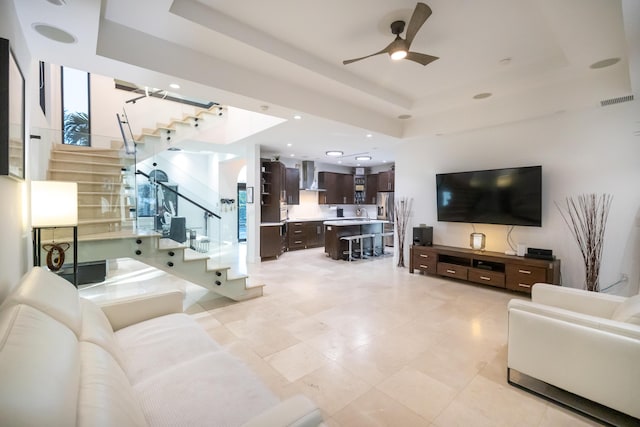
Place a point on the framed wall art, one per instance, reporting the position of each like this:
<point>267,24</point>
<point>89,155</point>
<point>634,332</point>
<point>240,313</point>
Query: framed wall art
<point>12,106</point>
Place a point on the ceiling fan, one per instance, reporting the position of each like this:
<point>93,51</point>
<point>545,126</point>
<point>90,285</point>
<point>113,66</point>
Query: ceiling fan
<point>399,48</point>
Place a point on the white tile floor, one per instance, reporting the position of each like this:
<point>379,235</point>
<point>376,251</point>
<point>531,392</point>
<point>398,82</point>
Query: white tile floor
<point>370,343</point>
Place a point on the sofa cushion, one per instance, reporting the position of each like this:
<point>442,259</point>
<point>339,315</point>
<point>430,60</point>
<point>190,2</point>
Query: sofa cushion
<point>50,294</point>
<point>39,369</point>
<point>97,329</point>
<point>214,389</point>
<point>628,311</point>
<point>106,397</point>
<point>155,345</point>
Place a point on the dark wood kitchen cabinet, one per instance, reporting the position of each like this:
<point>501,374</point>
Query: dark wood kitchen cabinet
<point>371,189</point>
<point>272,190</point>
<point>272,241</point>
<point>386,181</point>
<point>339,188</point>
<point>292,186</point>
<point>304,234</point>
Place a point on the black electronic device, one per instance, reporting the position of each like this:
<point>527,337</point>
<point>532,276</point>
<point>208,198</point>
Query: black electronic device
<point>423,236</point>
<point>540,253</point>
<point>178,229</point>
<point>511,196</point>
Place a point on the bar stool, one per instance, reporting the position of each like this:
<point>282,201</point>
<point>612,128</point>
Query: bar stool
<point>383,235</point>
<point>350,239</point>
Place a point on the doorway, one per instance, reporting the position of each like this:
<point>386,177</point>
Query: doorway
<point>242,212</point>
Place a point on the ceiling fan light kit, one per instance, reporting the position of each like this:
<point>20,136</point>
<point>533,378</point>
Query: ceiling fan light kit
<point>399,48</point>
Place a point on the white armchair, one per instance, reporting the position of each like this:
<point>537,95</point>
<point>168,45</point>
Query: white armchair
<point>582,342</point>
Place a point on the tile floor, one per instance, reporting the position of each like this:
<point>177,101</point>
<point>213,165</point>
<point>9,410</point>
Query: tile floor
<point>370,343</point>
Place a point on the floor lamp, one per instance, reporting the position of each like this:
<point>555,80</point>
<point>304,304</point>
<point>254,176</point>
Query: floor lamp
<point>54,204</point>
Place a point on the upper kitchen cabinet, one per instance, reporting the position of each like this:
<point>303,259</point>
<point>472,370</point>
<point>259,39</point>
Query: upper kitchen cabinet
<point>386,181</point>
<point>371,189</point>
<point>338,188</point>
<point>292,186</point>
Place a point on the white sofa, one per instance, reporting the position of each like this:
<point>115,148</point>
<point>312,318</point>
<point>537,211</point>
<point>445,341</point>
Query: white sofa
<point>583,342</point>
<point>62,364</point>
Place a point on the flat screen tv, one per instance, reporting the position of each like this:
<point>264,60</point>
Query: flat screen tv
<point>511,196</point>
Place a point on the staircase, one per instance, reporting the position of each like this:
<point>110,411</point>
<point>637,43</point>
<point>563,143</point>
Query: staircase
<point>174,258</point>
<point>106,209</point>
<point>104,197</point>
<point>166,135</point>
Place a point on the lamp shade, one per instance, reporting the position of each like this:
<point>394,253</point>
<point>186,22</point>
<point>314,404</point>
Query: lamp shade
<point>54,204</point>
<point>477,241</point>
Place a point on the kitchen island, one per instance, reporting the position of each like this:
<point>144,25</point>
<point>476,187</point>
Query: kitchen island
<point>336,248</point>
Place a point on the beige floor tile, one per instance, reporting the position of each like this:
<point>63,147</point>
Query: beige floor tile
<point>265,339</point>
<point>334,344</point>
<point>296,361</point>
<point>422,394</point>
<point>556,416</point>
<point>376,409</point>
<point>332,388</point>
<point>505,405</point>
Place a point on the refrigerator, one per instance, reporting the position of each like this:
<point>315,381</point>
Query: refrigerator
<point>385,211</point>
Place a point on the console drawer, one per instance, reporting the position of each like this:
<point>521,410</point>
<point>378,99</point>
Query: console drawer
<point>487,277</point>
<point>453,270</point>
<point>425,261</point>
<point>522,277</point>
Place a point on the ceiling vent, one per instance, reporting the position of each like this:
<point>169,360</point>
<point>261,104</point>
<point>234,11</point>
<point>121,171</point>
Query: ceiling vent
<point>618,100</point>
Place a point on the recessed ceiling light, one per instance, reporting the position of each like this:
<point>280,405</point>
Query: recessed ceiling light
<point>57,2</point>
<point>292,155</point>
<point>404,116</point>
<point>334,153</point>
<point>604,63</point>
<point>363,158</point>
<point>289,145</point>
<point>174,86</point>
<point>54,33</point>
<point>358,164</point>
<point>297,117</point>
<point>339,161</point>
<point>482,95</point>
<point>384,161</point>
<point>369,135</point>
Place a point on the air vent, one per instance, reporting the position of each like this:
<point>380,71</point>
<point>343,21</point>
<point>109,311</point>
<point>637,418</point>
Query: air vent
<point>618,100</point>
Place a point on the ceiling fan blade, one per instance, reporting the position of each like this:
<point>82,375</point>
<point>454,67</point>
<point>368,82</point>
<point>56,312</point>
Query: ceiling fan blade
<point>420,15</point>
<point>420,58</point>
<point>385,50</point>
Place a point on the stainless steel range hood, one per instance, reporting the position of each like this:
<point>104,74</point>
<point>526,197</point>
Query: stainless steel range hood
<point>308,179</point>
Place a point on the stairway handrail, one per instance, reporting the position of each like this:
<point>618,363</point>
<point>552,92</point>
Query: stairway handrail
<point>207,211</point>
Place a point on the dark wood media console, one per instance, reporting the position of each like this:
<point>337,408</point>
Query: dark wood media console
<point>488,268</point>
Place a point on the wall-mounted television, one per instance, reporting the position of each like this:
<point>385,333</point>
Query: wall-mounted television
<point>510,196</point>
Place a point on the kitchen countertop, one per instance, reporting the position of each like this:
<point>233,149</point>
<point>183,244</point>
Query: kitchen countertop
<point>271,224</point>
<point>359,221</point>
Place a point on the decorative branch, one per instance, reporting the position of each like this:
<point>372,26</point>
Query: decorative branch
<point>402,213</point>
<point>586,216</point>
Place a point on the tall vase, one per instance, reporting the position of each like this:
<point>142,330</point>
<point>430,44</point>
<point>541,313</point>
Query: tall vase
<point>402,213</point>
<point>586,216</point>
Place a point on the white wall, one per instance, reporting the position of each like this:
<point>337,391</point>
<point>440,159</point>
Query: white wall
<point>15,252</point>
<point>593,151</point>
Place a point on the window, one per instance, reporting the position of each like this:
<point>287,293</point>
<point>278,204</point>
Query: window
<point>76,124</point>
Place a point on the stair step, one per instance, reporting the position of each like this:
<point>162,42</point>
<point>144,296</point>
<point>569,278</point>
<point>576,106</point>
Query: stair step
<point>105,157</point>
<point>103,174</point>
<point>84,166</point>
<point>84,149</point>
